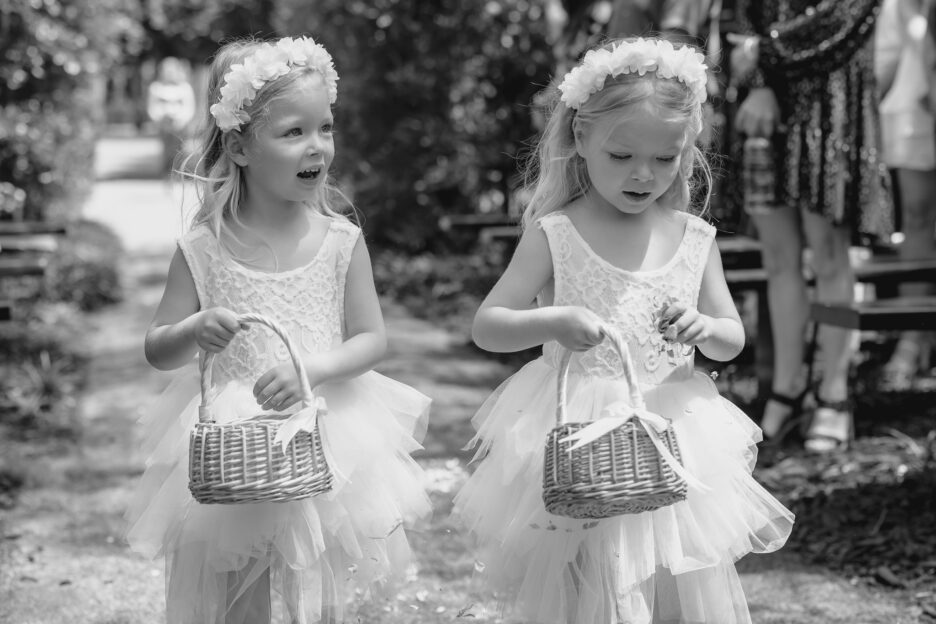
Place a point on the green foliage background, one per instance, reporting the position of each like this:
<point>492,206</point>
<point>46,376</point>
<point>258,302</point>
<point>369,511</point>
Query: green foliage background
<point>434,99</point>
<point>49,115</point>
<point>434,104</point>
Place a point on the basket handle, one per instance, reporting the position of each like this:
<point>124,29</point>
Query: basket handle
<point>630,374</point>
<point>209,358</point>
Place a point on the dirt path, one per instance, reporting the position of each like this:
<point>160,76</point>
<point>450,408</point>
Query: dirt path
<point>62,557</point>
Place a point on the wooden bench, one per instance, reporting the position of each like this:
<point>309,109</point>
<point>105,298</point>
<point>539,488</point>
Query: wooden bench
<point>895,313</point>
<point>25,247</point>
<point>486,227</point>
<point>885,272</point>
<point>739,252</point>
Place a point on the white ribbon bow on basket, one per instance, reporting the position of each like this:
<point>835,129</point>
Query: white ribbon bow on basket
<point>303,420</point>
<point>616,415</point>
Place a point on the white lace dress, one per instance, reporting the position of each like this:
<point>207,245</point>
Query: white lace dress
<point>674,564</point>
<point>317,551</point>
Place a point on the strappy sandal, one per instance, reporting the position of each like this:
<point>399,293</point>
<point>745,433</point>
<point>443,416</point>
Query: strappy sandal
<point>792,424</point>
<point>832,427</point>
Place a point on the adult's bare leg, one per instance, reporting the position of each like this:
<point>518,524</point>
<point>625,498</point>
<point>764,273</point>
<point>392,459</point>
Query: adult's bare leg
<point>835,282</point>
<point>782,244</point>
<point>917,191</point>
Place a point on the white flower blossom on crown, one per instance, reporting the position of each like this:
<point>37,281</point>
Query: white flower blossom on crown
<point>628,57</point>
<point>269,62</point>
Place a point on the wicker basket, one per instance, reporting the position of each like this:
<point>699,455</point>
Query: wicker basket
<point>621,472</point>
<point>240,462</point>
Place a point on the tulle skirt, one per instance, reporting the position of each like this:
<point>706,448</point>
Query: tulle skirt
<point>674,564</point>
<point>222,560</point>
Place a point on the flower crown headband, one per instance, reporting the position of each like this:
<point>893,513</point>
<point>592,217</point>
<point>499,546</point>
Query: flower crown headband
<point>269,62</point>
<point>629,57</point>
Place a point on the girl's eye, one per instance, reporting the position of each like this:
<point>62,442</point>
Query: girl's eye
<point>328,128</point>
<point>666,159</point>
<point>619,156</point>
<point>294,132</point>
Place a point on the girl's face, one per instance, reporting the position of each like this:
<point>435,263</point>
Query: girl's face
<point>288,157</point>
<point>631,162</point>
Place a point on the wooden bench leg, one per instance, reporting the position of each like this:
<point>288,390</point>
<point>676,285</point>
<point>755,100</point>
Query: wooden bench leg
<point>763,347</point>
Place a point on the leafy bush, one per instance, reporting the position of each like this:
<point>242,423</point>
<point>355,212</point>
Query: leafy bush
<point>41,368</point>
<point>54,56</point>
<point>84,269</point>
<point>433,106</point>
<point>443,288</point>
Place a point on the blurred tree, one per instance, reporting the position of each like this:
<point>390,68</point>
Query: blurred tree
<point>52,52</point>
<point>433,106</point>
<point>192,29</point>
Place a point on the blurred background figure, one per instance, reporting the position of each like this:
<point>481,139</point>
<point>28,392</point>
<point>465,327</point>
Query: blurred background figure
<point>170,104</point>
<point>905,51</point>
<point>809,107</point>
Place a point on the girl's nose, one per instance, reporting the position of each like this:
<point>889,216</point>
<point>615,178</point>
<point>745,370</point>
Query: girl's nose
<point>642,172</point>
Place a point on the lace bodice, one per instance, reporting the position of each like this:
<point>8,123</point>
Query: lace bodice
<point>630,301</point>
<point>307,301</point>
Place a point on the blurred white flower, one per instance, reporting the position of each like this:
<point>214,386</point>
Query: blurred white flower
<point>628,57</point>
<point>269,62</point>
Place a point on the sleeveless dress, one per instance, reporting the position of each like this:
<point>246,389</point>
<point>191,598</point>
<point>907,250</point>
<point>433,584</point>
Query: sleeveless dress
<point>674,564</point>
<point>317,551</point>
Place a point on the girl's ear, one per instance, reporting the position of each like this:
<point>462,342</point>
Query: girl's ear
<point>579,142</point>
<point>234,145</point>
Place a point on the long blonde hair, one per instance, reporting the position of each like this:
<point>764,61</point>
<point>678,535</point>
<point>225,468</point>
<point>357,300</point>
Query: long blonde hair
<point>555,174</point>
<point>220,181</point>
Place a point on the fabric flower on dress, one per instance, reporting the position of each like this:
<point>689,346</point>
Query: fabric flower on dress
<point>269,62</point>
<point>639,56</point>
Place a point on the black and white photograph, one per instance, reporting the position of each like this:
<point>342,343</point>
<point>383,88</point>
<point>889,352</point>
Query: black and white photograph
<point>456,311</point>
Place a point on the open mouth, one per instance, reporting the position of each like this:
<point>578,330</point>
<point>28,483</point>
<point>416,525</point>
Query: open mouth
<point>310,174</point>
<point>636,196</point>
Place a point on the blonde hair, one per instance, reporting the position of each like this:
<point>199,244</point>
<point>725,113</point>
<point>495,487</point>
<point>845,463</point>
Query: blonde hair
<point>220,181</point>
<point>555,174</point>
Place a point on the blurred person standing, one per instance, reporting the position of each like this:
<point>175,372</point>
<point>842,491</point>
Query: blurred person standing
<point>170,104</point>
<point>810,119</point>
<point>905,51</point>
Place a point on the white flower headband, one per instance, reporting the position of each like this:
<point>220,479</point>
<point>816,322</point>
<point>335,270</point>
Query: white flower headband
<point>639,56</point>
<point>269,62</point>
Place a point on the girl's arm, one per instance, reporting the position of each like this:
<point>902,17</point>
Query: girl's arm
<point>366,344</point>
<point>507,319</point>
<point>278,388</point>
<point>179,329</point>
<point>715,327</point>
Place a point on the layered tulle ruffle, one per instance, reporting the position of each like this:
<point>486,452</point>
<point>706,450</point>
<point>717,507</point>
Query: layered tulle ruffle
<point>676,562</point>
<point>316,551</point>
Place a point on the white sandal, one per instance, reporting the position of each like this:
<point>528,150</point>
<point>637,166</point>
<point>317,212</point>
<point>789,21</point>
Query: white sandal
<point>832,427</point>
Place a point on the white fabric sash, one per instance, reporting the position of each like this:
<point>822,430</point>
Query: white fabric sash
<point>616,415</point>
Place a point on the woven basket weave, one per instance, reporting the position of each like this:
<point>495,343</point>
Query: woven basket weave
<point>239,462</point>
<point>622,472</point>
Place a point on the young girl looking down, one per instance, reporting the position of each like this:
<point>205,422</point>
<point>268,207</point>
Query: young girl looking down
<point>610,249</point>
<point>268,239</point>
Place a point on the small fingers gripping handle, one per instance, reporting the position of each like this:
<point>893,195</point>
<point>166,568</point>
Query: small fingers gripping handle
<point>630,375</point>
<point>205,368</point>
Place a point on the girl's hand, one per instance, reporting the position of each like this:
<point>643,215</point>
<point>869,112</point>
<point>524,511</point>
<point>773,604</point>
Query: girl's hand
<point>278,388</point>
<point>759,113</point>
<point>578,328</point>
<point>685,325</point>
<point>215,328</point>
